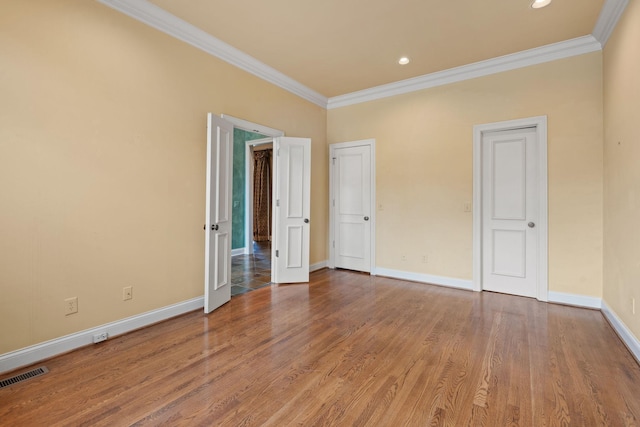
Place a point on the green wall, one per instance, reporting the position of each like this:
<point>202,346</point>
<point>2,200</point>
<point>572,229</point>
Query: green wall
<point>239,139</point>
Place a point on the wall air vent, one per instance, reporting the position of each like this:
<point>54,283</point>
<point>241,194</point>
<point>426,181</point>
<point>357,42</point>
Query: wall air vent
<point>23,376</point>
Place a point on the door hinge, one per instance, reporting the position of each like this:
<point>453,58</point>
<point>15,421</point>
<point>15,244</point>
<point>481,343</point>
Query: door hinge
<point>334,203</point>
<point>334,244</point>
<point>278,152</point>
<point>334,160</point>
<point>277,202</point>
<point>277,253</point>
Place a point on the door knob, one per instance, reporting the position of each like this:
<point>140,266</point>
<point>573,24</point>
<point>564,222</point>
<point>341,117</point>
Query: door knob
<point>214,227</point>
<point>366,218</point>
<point>531,224</point>
<point>306,220</point>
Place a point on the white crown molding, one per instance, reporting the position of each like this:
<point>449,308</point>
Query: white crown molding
<point>539,55</point>
<point>162,20</point>
<point>158,18</point>
<point>609,16</point>
<point>625,334</point>
<point>39,352</point>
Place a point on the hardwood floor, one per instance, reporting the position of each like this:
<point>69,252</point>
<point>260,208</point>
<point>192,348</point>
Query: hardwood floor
<point>346,350</point>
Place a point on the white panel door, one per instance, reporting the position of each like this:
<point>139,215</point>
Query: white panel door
<point>217,264</point>
<point>352,207</point>
<point>291,210</point>
<point>509,210</point>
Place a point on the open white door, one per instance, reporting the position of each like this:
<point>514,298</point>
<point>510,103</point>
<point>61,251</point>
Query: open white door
<point>217,263</point>
<point>291,210</point>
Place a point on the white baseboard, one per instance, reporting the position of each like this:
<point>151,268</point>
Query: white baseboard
<point>239,251</point>
<point>625,334</point>
<point>317,266</point>
<point>425,278</point>
<point>576,300</point>
<point>47,349</point>
<point>33,354</point>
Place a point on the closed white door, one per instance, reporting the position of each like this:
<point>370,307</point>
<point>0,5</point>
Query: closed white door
<point>217,264</point>
<point>352,210</point>
<point>509,212</point>
<point>291,210</point>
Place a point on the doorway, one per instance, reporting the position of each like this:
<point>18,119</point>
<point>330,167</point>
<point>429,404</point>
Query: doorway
<point>291,208</point>
<point>251,259</point>
<point>252,189</point>
<point>510,207</point>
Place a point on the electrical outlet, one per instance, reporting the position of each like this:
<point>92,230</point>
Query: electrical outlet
<point>100,337</point>
<point>127,293</point>
<point>425,259</point>
<point>70,306</point>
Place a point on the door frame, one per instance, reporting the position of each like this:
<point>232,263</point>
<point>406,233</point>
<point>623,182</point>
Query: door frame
<point>542,222</point>
<point>332,220</point>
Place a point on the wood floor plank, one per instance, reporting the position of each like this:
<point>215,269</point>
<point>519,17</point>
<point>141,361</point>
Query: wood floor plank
<point>346,349</point>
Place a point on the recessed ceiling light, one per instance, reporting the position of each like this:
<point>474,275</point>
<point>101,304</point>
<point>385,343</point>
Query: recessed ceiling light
<point>404,60</point>
<point>537,4</point>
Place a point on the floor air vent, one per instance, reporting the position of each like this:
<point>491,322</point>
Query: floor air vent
<point>23,377</point>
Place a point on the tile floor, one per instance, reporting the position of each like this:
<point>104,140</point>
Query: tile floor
<point>251,272</point>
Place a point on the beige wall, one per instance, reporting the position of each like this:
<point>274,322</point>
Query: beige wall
<point>622,168</point>
<point>102,164</point>
<point>424,167</point>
